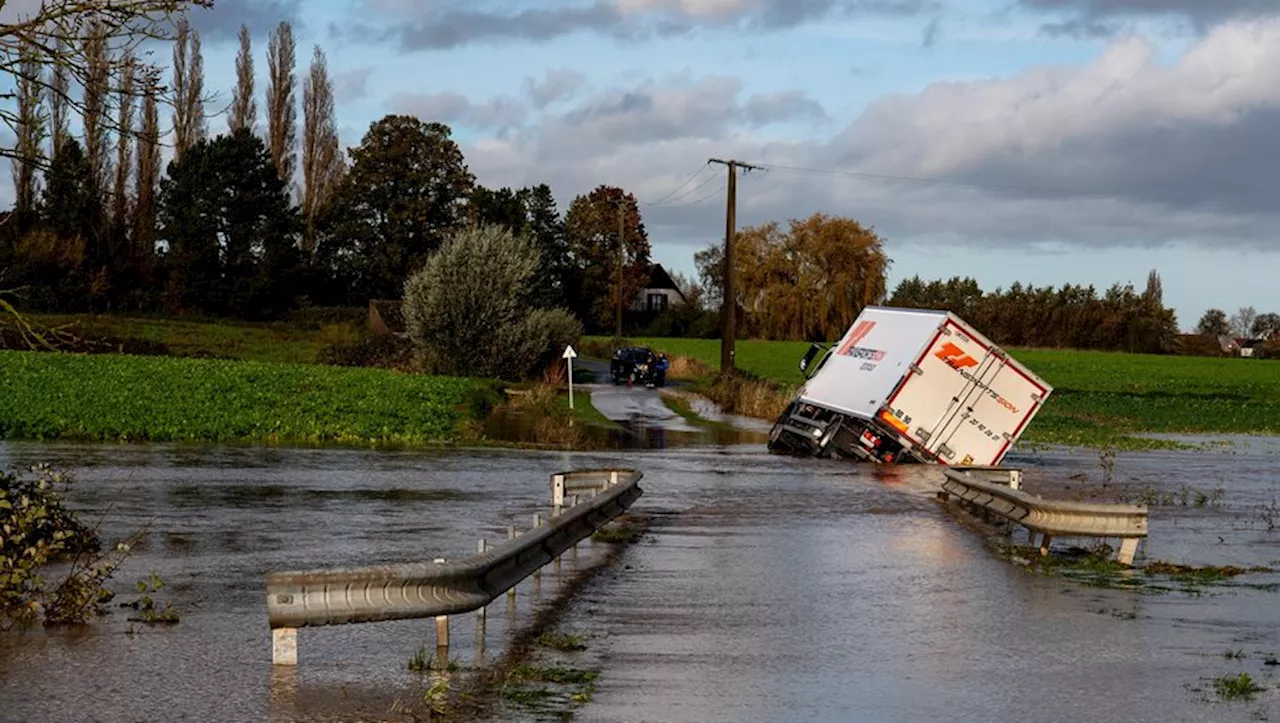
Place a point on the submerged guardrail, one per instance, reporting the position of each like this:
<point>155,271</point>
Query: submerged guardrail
<point>441,588</point>
<point>992,491</point>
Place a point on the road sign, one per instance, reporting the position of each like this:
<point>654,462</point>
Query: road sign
<point>569,355</point>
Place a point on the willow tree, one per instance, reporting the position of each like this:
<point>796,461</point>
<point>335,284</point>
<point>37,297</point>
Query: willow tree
<point>810,280</point>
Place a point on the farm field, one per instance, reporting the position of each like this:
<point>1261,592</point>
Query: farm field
<point>277,342</point>
<point>135,398</point>
<point>1099,397</point>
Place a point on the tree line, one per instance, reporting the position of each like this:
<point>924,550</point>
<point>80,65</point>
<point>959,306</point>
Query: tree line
<point>259,219</point>
<point>1077,317</point>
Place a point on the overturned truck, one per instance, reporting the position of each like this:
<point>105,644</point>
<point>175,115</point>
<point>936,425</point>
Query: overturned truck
<point>909,385</point>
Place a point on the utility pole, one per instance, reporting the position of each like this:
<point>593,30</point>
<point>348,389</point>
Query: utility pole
<point>728,306</point>
<point>622,253</point>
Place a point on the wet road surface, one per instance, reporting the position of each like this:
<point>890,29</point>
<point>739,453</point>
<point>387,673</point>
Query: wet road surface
<point>768,588</point>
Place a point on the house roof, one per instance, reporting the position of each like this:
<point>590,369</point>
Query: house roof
<point>660,279</point>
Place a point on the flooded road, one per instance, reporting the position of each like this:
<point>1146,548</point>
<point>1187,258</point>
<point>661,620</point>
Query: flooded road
<point>767,589</point>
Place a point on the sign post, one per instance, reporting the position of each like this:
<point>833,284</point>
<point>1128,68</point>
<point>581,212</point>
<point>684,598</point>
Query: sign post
<point>569,355</point>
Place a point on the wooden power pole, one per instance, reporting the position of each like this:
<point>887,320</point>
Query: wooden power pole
<point>729,311</point>
<point>622,253</point>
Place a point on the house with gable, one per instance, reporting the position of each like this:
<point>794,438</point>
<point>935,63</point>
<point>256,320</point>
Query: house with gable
<point>659,293</point>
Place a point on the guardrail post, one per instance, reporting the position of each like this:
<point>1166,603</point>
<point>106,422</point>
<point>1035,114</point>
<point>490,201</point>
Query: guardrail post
<point>613,477</point>
<point>537,522</point>
<point>1045,539</point>
<point>557,490</point>
<point>442,642</point>
<point>284,646</point>
<point>573,502</point>
<point>442,634</point>
<point>1128,550</point>
<point>481,547</point>
<point>511,535</point>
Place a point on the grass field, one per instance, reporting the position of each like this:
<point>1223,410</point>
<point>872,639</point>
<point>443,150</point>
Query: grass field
<point>116,397</point>
<point>1099,397</point>
<point>275,342</point>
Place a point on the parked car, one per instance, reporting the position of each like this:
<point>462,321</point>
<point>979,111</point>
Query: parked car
<point>638,364</point>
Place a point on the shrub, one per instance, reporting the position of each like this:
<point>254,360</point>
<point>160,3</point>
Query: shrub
<point>469,310</point>
<point>36,529</point>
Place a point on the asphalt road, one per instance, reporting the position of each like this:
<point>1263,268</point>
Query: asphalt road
<point>637,405</point>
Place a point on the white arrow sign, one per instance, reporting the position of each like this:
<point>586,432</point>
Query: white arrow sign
<point>570,355</point>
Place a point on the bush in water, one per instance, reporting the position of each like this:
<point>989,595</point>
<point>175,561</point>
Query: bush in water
<point>36,529</point>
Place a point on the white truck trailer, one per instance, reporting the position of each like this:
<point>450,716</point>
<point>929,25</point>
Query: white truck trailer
<point>910,385</point>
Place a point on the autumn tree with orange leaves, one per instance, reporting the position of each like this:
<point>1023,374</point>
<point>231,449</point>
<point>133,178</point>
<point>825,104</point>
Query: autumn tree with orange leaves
<point>808,281</point>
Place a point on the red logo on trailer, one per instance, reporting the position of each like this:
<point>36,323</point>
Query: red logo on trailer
<point>955,357</point>
<point>859,333</point>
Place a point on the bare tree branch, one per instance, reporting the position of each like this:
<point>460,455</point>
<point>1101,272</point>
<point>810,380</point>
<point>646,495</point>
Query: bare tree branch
<point>55,33</point>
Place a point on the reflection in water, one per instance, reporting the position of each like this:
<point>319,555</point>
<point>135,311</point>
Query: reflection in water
<point>638,432</point>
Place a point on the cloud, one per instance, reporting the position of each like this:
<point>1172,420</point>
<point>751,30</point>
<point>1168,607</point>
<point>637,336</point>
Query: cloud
<point>1199,132</point>
<point>454,108</point>
<point>783,106</point>
<point>222,22</point>
<point>1093,17</point>
<point>558,84</point>
<point>351,85</point>
<point>452,23</point>
<point>1122,151</point>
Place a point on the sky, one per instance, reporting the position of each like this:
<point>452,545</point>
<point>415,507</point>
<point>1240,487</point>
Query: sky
<point>1040,141</point>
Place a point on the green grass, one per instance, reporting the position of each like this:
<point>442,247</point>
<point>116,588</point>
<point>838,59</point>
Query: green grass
<point>585,412</point>
<point>1236,687</point>
<point>566,642</point>
<point>1099,397</point>
<point>266,342</point>
<point>128,398</point>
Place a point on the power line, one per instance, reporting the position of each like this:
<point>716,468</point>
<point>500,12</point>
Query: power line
<point>714,192</point>
<point>680,200</point>
<point>679,188</point>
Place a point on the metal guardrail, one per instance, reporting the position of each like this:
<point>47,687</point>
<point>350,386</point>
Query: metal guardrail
<point>419,590</point>
<point>980,490</point>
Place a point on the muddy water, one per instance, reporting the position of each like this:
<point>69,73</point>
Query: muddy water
<point>768,589</point>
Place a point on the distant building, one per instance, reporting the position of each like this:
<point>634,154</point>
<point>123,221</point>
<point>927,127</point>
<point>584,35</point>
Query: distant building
<point>659,294</point>
<point>386,318</point>
<point>1248,348</point>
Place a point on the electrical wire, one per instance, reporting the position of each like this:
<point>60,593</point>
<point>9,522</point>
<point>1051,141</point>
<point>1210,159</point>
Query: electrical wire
<point>669,197</point>
<point>715,192</point>
<point>673,203</point>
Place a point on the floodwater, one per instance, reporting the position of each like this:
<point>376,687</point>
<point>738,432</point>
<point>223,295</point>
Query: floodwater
<point>767,589</point>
